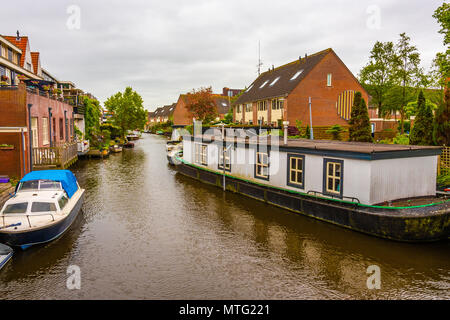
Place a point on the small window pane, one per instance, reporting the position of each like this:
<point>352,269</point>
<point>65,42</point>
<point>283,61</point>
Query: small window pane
<point>330,183</point>
<point>337,170</point>
<point>30,185</point>
<point>293,176</point>
<point>293,163</point>
<point>330,169</point>
<point>337,184</point>
<point>43,207</point>
<point>62,202</point>
<point>16,208</point>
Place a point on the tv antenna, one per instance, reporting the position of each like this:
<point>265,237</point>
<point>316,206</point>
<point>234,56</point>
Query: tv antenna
<point>259,65</point>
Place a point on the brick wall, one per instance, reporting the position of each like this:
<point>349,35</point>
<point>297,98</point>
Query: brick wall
<point>12,161</point>
<point>323,98</point>
<point>181,116</point>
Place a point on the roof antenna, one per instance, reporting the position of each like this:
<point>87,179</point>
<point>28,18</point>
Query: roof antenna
<point>259,65</point>
<point>18,36</point>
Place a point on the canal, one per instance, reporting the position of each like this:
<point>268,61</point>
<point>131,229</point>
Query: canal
<point>149,233</point>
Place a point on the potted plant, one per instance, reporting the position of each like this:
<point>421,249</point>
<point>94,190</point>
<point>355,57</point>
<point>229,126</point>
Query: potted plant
<point>4,78</point>
<point>5,146</point>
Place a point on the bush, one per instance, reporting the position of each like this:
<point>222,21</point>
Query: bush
<point>335,132</point>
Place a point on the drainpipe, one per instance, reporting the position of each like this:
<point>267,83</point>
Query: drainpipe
<point>310,120</point>
<point>73,126</point>
<point>50,124</point>
<point>30,137</point>
<point>23,151</point>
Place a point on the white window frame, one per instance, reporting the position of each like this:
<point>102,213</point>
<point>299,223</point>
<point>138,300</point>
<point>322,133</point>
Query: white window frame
<point>35,131</point>
<point>329,79</point>
<point>45,133</point>
<point>227,159</point>
<point>201,153</point>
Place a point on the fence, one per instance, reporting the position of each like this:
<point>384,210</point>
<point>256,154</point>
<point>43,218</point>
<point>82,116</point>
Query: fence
<point>59,156</point>
<point>444,161</point>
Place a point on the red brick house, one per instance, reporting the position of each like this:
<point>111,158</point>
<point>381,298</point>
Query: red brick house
<point>283,93</point>
<point>183,117</point>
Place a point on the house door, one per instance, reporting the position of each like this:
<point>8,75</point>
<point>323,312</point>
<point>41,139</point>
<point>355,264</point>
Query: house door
<point>34,130</point>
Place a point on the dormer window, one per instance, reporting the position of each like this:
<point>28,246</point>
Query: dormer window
<point>265,82</point>
<point>275,81</point>
<point>295,76</point>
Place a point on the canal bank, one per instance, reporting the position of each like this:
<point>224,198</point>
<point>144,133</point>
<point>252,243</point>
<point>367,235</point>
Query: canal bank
<point>149,233</point>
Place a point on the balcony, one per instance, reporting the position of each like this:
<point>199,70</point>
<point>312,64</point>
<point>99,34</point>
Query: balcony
<point>60,156</point>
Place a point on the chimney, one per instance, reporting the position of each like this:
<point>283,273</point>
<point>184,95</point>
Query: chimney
<point>306,55</point>
<point>18,36</point>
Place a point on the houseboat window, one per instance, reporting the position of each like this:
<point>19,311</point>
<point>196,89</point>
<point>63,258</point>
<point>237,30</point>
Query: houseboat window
<point>201,154</point>
<point>296,169</point>
<point>62,202</point>
<point>262,165</point>
<point>43,207</point>
<point>227,159</point>
<point>49,185</point>
<point>16,208</point>
<point>333,176</point>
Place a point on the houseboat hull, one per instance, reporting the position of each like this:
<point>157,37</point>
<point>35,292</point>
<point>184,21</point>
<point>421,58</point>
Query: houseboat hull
<point>417,224</point>
<point>26,239</point>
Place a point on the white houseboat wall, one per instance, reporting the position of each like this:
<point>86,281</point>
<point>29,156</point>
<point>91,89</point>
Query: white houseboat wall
<point>366,173</point>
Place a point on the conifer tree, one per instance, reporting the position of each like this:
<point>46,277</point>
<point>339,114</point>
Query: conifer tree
<point>441,130</point>
<point>359,122</point>
<point>422,132</point>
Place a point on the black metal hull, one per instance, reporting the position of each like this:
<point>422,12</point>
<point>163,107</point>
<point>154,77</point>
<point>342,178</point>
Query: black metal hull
<point>26,239</point>
<point>409,225</point>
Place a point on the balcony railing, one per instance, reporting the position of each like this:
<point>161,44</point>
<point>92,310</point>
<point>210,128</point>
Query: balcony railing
<point>60,156</point>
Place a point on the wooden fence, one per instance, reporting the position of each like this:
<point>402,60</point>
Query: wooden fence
<point>61,156</point>
<point>444,161</point>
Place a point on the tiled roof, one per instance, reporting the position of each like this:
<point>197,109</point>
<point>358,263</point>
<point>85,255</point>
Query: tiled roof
<point>35,60</point>
<point>282,80</point>
<point>168,110</point>
<point>21,44</point>
<point>222,104</point>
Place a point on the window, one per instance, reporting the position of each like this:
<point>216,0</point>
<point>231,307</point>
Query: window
<point>45,138</point>
<point>333,177</point>
<point>16,208</point>
<point>227,158</point>
<point>10,54</point>
<point>62,202</point>
<point>296,171</point>
<point>3,53</point>
<point>201,154</point>
<point>248,107</point>
<point>274,81</point>
<point>43,207</point>
<point>329,80</point>
<point>34,132</point>
<point>61,129</point>
<point>29,66</point>
<point>262,105</point>
<point>238,108</point>
<point>295,76</point>
<point>262,165</point>
<point>265,82</point>
<point>277,104</point>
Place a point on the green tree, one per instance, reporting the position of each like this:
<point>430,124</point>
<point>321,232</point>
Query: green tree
<point>92,117</point>
<point>378,76</point>
<point>422,131</point>
<point>359,129</point>
<point>335,132</point>
<point>441,126</point>
<point>408,72</point>
<point>128,111</point>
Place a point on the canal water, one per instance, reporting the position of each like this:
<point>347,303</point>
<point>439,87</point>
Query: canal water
<point>147,232</point>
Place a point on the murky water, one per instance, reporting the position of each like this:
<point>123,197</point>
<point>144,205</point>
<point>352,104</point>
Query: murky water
<point>149,233</point>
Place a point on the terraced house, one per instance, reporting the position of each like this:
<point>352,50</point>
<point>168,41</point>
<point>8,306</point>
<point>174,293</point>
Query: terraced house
<point>283,93</point>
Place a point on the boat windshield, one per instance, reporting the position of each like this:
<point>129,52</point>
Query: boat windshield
<point>20,207</point>
<point>39,185</point>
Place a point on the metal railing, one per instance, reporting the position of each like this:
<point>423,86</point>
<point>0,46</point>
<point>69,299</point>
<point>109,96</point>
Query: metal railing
<point>315,193</point>
<point>13,215</point>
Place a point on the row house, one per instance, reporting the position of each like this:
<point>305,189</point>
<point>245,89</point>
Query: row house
<point>283,93</point>
<point>161,114</point>
<point>37,124</point>
<point>183,117</point>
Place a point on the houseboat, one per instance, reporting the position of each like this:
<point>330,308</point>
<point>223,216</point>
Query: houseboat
<point>43,207</point>
<point>387,191</point>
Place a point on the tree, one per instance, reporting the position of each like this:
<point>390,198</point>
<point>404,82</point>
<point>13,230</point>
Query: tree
<point>335,132</point>
<point>201,104</point>
<point>378,76</point>
<point>128,111</point>
<point>441,127</point>
<point>408,72</point>
<point>422,132</point>
<point>92,117</point>
<point>359,129</point>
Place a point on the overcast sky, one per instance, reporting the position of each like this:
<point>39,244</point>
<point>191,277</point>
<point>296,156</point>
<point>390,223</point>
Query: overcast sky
<point>164,48</point>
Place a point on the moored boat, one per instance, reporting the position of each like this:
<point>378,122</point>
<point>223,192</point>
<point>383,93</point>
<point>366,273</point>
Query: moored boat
<point>43,207</point>
<point>6,254</point>
<point>116,148</point>
<point>388,191</point>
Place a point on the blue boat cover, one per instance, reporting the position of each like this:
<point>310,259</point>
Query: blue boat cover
<point>66,177</point>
